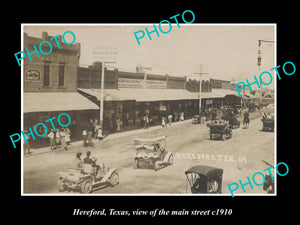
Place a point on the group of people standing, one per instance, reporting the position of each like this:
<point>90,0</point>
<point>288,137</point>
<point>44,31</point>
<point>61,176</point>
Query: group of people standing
<point>93,132</point>
<point>168,121</point>
<point>60,138</point>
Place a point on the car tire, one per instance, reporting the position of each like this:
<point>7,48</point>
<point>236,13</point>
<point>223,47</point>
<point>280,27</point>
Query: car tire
<point>157,165</point>
<point>86,187</point>
<point>61,185</point>
<point>136,164</point>
<point>224,137</point>
<point>171,159</point>
<point>114,179</point>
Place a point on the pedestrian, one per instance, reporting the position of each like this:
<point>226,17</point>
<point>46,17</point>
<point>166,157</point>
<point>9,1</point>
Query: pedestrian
<point>170,117</point>
<point>118,123</point>
<point>63,139</point>
<point>57,138</point>
<point>146,121</point>
<point>26,146</point>
<point>175,116</point>
<point>90,139</point>
<point>246,120</point>
<point>182,116</point>
<point>99,133</point>
<point>92,127</point>
<point>68,134</point>
<point>97,127</point>
<point>84,137</point>
<point>51,137</point>
<point>164,122</point>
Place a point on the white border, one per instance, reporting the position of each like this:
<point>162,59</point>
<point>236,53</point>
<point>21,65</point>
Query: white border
<point>149,24</point>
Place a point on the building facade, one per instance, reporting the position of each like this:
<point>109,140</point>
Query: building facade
<point>50,85</point>
<point>129,96</point>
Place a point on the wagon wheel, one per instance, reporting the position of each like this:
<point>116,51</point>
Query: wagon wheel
<point>61,185</point>
<point>86,186</point>
<point>224,137</point>
<point>114,179</point>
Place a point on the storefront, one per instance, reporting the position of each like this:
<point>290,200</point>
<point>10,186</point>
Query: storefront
<point>130,105</point>
<point>38,107</point>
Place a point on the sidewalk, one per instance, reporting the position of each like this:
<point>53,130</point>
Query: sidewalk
<point>109,137</point>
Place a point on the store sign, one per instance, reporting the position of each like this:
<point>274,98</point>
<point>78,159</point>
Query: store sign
<point>130,83</point>
<point>208,102</point>
<point>33,75</point>
<point>156,84</point>
<point>139,83</point>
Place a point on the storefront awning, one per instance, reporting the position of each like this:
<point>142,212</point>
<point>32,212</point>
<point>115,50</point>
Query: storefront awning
<point>109,94</point>
<point>54,101</point>
<point>142,95</point>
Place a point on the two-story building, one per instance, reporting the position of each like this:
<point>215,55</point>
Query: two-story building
<point>50,85</point>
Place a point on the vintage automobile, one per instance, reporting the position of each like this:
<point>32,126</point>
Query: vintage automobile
<point>219,129</point>
<point>89,177</point>
<point>204,179</point>
<point>196,119</point>
<point>152,153</point>
<point>268,122</point>
<point>234,123</point>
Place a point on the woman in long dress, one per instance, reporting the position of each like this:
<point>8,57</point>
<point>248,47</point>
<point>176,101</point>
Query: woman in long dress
<point>63,140</point>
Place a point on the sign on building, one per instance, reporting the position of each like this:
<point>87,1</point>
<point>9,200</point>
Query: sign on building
<point>141,83</point>
<point>33,76</point>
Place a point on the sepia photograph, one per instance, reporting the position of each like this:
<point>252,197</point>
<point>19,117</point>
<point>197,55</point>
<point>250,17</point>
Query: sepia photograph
<point>148,109</point>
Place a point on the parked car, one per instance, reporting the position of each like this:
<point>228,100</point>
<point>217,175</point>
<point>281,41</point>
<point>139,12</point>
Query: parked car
<point>196,119</point>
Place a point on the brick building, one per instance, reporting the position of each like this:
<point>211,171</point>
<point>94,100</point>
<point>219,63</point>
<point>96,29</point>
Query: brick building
<point>50,84</point>
<point>128,96</point>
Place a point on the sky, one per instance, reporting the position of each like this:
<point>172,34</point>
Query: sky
<point>225,51</point>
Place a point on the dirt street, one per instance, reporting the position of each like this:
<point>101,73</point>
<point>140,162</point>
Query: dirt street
<point>239,157</point>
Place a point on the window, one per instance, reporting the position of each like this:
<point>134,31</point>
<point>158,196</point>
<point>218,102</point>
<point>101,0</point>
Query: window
<point>61,75</point>
<point>47,74</point>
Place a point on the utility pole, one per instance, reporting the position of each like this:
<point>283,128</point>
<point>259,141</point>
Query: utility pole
<point>200,74</point>
<point>259,64</point>
<point>106,55</point>
<point>102,96</point>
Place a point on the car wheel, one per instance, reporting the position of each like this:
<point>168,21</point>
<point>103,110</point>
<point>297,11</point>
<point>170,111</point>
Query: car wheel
<point>171,160</point>
<point>224,137</point>
<point>114,179</point>
<point>136,164</point>
<point>157,165</point>
<point>61,185</point>
<point>86,187</point>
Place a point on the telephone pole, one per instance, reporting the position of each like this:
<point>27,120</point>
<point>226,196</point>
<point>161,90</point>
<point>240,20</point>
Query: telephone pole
<point>200,86</point>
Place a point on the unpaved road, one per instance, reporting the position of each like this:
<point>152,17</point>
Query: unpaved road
<point>239,157</point>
